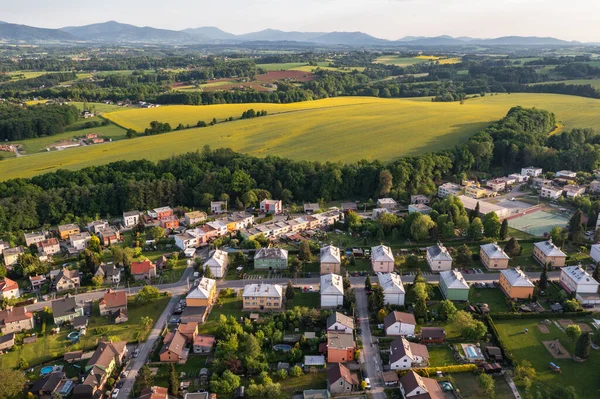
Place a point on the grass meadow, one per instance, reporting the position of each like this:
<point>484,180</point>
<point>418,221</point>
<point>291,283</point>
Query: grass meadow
<point>335,129</point>
<point>595,83</point>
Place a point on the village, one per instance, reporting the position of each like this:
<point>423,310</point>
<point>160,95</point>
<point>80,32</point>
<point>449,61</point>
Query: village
<point>310,301</point>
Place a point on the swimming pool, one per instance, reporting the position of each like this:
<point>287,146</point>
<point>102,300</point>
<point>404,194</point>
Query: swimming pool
<point>73,336</point>
<point>472,352</point>
<point>282,347</point>
<point>46,370</point>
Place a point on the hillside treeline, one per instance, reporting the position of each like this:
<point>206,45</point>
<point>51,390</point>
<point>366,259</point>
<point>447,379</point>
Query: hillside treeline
<point>194,179</point>
<point>18,123</point>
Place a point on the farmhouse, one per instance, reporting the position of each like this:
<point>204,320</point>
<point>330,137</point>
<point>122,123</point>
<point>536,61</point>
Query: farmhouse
<point>447,189</point>
<point>453,286</point>
<point>551,192</point>
<point>438,258</point>
<point>516,284</point>
<point>546,253</point>
<point>399,323</point>
<point>271,206</point>
<point>574,279</point>
<point>262,296</point>
<point>65,310</point>
<point>9,289</point>
<point>419,208</point>
<point>66,230</point>
<point>15,319</point>
<point>217,263</point>
<point>340,347</point>
<point>493,257</point>
<point>393,289</point>
<point>432,335</point>
<point>192,218</point>
<point>48,247</point>
<point>340,380</point>
<point>413,386</point>
<point>34,238</point>
<point>405,355</point>
<point>340,322</point>
<point>11,255</point>
<point>332,291</point>
<point>218,207</point>
<point>531,171</point>
<point>66,280</point>
<point>202,294</point>
<point>271,259</point>
<point>131,218</point>
<point>144,270</point>
<point>382,259</point>
<point>331,260</point>
<point>387,203</point>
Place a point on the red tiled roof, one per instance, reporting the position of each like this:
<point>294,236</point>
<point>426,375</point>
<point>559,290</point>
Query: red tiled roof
<point>114,299</point>
<point>142,267</point>
<point>8,285</point>
<point>338,371</point>
<point>154,393</point>
<point>204,340</point>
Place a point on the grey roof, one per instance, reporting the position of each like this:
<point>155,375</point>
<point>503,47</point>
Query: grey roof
<point>330,254</point>
<point>494,251</point>
<point>131,213</point>
<point>332,284</point>
<point>263,290</point>
<point>341,318</point>
<point>340,340</point>
<point>517,278</point>
<point>271,253</point>
<point>578,275</point>
<point>64,306</point>
<point>382,253</point>
<point>549,249</point>
<point>390,282</point>
<point>454,279</point>
<point>438,252</point>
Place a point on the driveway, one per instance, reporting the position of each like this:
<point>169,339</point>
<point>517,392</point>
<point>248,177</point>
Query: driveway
<point>371,360</point>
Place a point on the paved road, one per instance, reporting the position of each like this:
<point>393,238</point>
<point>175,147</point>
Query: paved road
<point>370,353</point>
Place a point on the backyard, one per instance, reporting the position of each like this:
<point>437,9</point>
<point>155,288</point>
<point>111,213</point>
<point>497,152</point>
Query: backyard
<point>227,306</point>
<point>494,297</point>
<point>310,300</point>
<point>469,387</point>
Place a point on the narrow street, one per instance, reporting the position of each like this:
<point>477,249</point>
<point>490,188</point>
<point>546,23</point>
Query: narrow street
<point>370,353</point>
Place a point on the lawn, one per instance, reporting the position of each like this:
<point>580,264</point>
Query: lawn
<point>296,131</point>
<point>593,82</point>
<point>306,381</point>
<point>311,300</point>
<point>469,387</point>
<point>227,307</point>
<point>529,347</point>
<point>494,297</point>
<point>440,356</point>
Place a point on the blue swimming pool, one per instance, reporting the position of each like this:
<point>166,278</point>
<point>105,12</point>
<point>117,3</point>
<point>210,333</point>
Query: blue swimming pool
<point>73,336</point>
<point>282,347</point>
<point>46,370</point>
<point>472,352</point>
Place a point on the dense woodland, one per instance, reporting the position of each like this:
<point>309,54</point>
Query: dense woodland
<point>194,179</point>
<point>18,123</point>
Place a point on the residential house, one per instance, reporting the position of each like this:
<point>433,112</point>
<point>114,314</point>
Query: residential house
<point>15,319</point>
<point>107,357</point>
<point>496,185</point>
<point>340,322</point>
<point>378,212</point>
<point>574,279</point>
<point>154,393</point>
<point>67,230</point>
<point>11,255</point>
<point>239,220</point>
<point>546,253</point>
<point>331,260</point>
<point>173,350</point>
<point>186,240</point>
<point>447,189</point>
<point>341,380</point>
<point>109,235</point>
<point>112,302</point>
<point>595,186</point>
<point>551,192</point>
<point>36,281</point>
<point>219,226</point>
<point>9,289</point>
<point>65,310</point>
<point>7,341</point>
<point>595,248</point>
<point>271,259</point>
<point>315,394</point>
<point>79,241</point>
<point>34,238</point>
<point>515,284</point>
<point>161,213</point>
<point>48,247</point>
<point>131,218</point>
<point>432,335</point>
<point>493,257</point>
<point>399,323</point>
<point>539,182</point>
<point>48,385</point>
<point>262,296</point>
<point>413,386</point>
<point>311,207</point>
<point>405,355</point>
<point>475,192</point>
<point>419,208</point>
<point>3,246</point>
<point>193,218</point>
<point>566,174</point>
<point>393,289</point>
<point>218,262</point>
<point>169,222</point>
<point>271,206</point>
<point>332,291</point>
<point>453,286</point>
<point>419,199</point>
<point>438,258</point>
<point>189,331</point>
<point>202,294</point>
<point>387,203</point>
<point>531,171</point>
<point>340,347</point>
<point>218,207</point>
<point>349,206</point>
<point>382,259</point>
<point>97,225</point>
<point>109,273</point>
<point>144,270</point>
<point>573,191</point>
<point>66,280</point>
<point>204,344</point>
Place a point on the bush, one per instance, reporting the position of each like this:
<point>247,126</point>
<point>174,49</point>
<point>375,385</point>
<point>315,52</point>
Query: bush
<point>460,368</point>
<point>542,315</point>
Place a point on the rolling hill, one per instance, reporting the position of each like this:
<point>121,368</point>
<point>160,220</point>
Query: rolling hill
<point>15,32</point>
<point>113,31</point>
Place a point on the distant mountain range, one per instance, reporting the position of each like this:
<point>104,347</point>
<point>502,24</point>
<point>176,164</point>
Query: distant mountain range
<point>115,32</point>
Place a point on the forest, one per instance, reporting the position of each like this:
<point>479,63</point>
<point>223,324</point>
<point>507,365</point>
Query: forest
<point>18,123</point>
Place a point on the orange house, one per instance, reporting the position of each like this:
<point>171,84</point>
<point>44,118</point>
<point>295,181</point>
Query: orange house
<point>163,212</point>
<point>340,347</point>
<point>169,222</point>
<point>516,284</point>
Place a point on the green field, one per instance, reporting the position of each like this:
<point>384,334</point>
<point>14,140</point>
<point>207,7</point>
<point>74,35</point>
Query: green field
<point>298,130</point>
<point>593,82</point>
<point>283,66</point>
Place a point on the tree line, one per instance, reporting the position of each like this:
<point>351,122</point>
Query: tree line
<point>18,123</point>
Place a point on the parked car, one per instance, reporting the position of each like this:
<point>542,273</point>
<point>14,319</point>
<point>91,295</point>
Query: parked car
<point>115,393</point>
<point>136,352</point>
<point>368,382</point>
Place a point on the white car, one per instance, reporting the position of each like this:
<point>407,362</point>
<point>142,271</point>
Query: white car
<point>368,382</point>
<point>115,393</point>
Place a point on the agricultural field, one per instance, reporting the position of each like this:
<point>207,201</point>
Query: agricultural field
<point>405,61</point>
<point>297,130</point>
<point>283,66</point>
<point>593,82</point>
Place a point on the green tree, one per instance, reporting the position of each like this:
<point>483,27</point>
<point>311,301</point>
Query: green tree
<point>295,267</point>
<point>368,282</point>
<point>304,253</point>
<point>446,310</point>
<point>474,212</point>
<point>504,229</point>
<point>381,315</point>
<point>512,247</point>
<point>573,331</point>
<point>146,322</point>
<point>487,384</point>
<point>147,294</point>
<point>543,284</point>
<point>23,364</point>
<point>173,381</point>
<point>352,220</point>
<point>376,299</point>
<point>470,328</point>
<point>12,383</point>
<point>420,309</point>
<point>419,228</point>
<point>582,348</point>
<point>225,384</point>
<point>282,374</point>
<point>289,291</point>
<point>97,281</point>
<point>143,380</point>
<point>157,233</point>
<point>476,229</point>
<point>208,272</point>
<point>571,305</point>
<point>463,255</point>
<point>296,371</point>
<point>558,236</point>
<point>94,245</point>
<point>385,182</point>
<point>491,225</point>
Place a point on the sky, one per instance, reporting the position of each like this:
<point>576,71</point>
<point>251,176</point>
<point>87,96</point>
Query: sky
<point>387,19</point>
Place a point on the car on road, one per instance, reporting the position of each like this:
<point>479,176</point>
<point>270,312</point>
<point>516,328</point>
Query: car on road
<point>310,288</point>
<point>368,383</point>
<point>136,352</point>
<point>359,331</point>
<point>115,393</point>
<point>120,384</point>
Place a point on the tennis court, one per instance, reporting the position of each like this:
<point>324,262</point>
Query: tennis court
<point>537,223</point>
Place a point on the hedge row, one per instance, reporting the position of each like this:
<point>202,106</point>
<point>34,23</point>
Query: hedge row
<point>459,368</point>
<point>543,315</point>
<point>508,356</point>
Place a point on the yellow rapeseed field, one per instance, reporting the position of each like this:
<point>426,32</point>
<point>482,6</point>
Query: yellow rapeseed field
<point>343,129</point>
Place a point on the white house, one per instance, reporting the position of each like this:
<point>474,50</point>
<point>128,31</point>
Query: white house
<point>218,207</point>
<point>399,323</point>
<point>271,206</point>
<point>419,208</point>
<point>217,263</point>
<point>531,171</point>
<point>393,289</point>
<point>566,173</point>
<point>595,250</point>
<point>131,218</point>
<point>79,241</point>
<point>382,259</point>
<point>413,386</point>
<point>186,240</point>
<point>219,226</point>
<point>576,279</point>
<point>332,291</point>
<point>551,192</point>
<point>573,191</point>
<point>387,203</point>
<point>340,322</point>
<point>405,355</point>
<point>438,258</point>
<point>34,238</point>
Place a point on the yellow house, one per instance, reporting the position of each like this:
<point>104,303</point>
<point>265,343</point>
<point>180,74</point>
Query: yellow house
<point>493,257</point>
<point>475,192</point>
<point>263,296</point>
<point>203,294</point>
<point>67,230</point>
<point>546,253</point>
<point>231,226</point>
<point>516,284</point>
